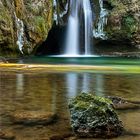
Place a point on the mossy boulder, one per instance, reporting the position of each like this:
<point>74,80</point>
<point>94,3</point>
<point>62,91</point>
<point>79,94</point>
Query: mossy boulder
<point>93,116</point>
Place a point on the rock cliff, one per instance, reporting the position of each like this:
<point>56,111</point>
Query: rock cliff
<point>24,24</point>
<point>124,21</point>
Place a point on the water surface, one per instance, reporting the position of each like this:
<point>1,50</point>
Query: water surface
<point>50,91</point>
<point>80,60</point>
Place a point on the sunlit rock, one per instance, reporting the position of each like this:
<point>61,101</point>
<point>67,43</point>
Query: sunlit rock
<point>93,116</point>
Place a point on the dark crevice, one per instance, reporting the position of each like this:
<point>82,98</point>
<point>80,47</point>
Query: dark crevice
<point>53,45</point>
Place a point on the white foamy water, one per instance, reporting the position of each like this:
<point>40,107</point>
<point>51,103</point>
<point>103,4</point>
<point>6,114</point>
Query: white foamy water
<point>79,9</point>
<point>20,33</point>
<point>77,56</point>
<point>99,31</point>
<point>55,16</point>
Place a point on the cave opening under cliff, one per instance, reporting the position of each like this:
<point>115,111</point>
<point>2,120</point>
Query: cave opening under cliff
<point>53,43</point>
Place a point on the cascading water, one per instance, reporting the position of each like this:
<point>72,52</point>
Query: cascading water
<point>55,16</point>
<point>99,31</point>
<point>65,11</point>
<point>20,33</point>
<point>79,9</point>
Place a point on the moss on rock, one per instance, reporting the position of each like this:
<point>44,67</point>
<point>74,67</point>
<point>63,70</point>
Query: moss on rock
<point>123,21</point>
<point>7,36</point>
<point>36,17</point>
<point>93,116</point>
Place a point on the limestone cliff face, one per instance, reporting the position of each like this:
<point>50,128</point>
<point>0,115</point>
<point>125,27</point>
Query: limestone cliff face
<point>124,21</point>
<point>26,20</point>
<point>7,35</point>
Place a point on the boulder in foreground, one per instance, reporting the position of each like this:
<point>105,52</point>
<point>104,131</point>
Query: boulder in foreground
<point>93,116</point>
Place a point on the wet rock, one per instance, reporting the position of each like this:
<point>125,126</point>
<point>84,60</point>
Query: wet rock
<point>34,117</point>
<point>72,138</point>
<point>56,137</point>
<point>3,60</point>
<point>93,116</point>
<point>67,135</point>
<point>61,136</point>
<point>5,135</point>
<point>122,104</point>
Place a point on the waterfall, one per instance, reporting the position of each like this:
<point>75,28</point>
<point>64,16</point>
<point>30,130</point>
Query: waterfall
<point>99,31</point>
<point>20,33</point>
<point>79,9</point>
<point>55,16</point>
<point>65,11</point>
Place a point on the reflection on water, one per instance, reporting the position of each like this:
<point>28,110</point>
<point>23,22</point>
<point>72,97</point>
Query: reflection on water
<point>54,98</point>
<point>51,91</point>
<point>19,83</point>
<point>99,85</point>
<point>72,83</point>
<point>77,82</point>
<point>81,82</point>
<point>85,82</point>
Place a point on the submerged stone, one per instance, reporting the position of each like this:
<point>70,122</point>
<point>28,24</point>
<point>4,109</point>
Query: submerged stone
<point>93,116</point>
<point>56,137</point>
<point>62,136</point>
<point>6,135</point>
<point>3,60</point>
<point>34,117</point>
<point>122,104</point>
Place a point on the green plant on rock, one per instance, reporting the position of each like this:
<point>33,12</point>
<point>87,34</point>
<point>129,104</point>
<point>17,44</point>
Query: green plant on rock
<point>129,23</point>
<point>40,25</point>
<point>94,116</point>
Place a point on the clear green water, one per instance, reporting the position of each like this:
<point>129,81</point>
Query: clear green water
<point>49,91</point>
<point>81,60</point>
